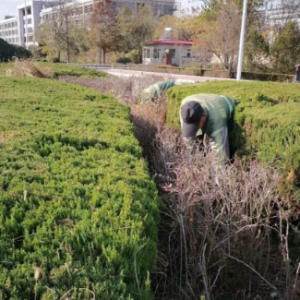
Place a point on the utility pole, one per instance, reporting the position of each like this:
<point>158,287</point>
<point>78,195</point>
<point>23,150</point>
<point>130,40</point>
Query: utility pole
<point>26,26</point>
<point>242,41</point>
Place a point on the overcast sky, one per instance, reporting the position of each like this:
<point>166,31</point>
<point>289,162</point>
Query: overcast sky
<point>9,7</point>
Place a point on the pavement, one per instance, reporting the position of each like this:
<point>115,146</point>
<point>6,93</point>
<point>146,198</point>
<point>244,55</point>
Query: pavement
<point>178,78</point>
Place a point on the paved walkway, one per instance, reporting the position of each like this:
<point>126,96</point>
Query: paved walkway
<point>179,78</point>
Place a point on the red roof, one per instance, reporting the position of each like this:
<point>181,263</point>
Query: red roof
<point>170,42</point>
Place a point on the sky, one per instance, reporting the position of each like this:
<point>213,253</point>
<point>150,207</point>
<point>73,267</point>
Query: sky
<point>9,7</point>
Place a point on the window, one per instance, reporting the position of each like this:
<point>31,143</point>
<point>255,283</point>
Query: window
<point>146,53</point>
<point>156,53</point>
<point>188,52</point>
<point>172,52</point>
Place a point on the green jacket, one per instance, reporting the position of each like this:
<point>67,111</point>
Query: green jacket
<point>154,90</point>
<point>218,109</point>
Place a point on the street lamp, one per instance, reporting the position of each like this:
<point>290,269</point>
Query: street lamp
<point>242,41</point>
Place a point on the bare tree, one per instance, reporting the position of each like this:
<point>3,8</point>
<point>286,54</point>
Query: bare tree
<point>104,28</point>
<point>61,31</point>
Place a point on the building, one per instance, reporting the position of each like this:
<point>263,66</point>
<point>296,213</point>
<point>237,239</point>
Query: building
<point>9,30</point>
<point>17,31</point>
<point>168,51</point>
<point>278,15</point>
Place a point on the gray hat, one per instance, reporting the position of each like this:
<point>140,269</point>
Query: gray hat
<point>191,114</point>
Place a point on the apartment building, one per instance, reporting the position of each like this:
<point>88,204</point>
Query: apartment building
<point>20,29</point>
<point>81,9</point>
<point>9,30</point>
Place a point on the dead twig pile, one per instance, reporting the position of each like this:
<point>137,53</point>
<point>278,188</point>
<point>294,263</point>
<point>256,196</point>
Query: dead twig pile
<point>25,68</point>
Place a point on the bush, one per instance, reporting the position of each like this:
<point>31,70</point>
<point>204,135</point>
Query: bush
<point>123,60</point>
<point>78,210</point>
<point>266,121</point>
<point>8,51</point>
<point>56,70</point>
<point>134,56</point>
<point>54,60</point>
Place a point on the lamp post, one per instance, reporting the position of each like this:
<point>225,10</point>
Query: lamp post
<point>26,26</point>
<point>242,41</point>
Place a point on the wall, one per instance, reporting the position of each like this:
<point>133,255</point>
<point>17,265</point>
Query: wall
<point>180,52</point>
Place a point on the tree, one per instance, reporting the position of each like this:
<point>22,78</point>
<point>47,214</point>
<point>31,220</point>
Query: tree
<point>285,52</point>
<point>256,51</point>
<point>49,39</point>
<point>221,31</point>
<point>184,27</point>
<point>62,33</point>
<point>220,22</point>
<point>105,30</point>
<point>136,26</point>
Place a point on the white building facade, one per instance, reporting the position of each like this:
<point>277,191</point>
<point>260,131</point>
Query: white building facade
<point>155,51</point>
<point>9,30</point>
<point>20,30</point>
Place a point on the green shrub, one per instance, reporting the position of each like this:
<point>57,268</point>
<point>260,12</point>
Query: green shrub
<point>54,60</point>
<point>78,210</point>
<point>8,51</point>
<point>134,56</point>
<point>60,69</point>
<point>123,60</point>
<point>266,121</point>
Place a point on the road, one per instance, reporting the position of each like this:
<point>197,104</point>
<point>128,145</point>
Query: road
<point>179,78</point>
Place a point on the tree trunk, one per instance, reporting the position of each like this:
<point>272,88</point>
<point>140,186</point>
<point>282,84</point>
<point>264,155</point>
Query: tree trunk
<point>104,56</point>
<point>68,54</point>
<point>100,52</point>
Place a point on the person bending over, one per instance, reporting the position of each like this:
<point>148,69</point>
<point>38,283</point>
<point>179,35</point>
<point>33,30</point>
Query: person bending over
<point>211,114</point>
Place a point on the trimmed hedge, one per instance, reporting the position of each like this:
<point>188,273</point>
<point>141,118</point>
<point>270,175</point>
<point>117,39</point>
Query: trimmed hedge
<point>78,210</point>
<point>267,122</point>
<point>7,51</point>
<point>60,69</point>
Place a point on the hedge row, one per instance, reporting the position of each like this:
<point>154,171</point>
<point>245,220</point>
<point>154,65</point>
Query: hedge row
<point>78,210</point>
<point>61,69</point>
<point>267,122</point>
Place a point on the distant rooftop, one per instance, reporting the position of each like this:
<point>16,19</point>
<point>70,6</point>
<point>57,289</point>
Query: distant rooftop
<point>170,42</point>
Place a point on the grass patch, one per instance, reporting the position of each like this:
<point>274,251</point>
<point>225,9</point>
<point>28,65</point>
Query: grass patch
<point>78,210</point>
<point>266,122</point>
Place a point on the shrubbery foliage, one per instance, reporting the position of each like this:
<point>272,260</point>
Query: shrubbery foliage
<point>78,211</point>
<point>266,120</point>
<point>8,51</point>
<point>70,70</point>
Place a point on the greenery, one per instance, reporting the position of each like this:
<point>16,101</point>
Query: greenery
<point>78,210</point>
<point>123,60</point>
<point>56,70</point>
<point>285,50</point>
<point>70,70</point>
<point>266,120</point>
<point>8,51</point>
